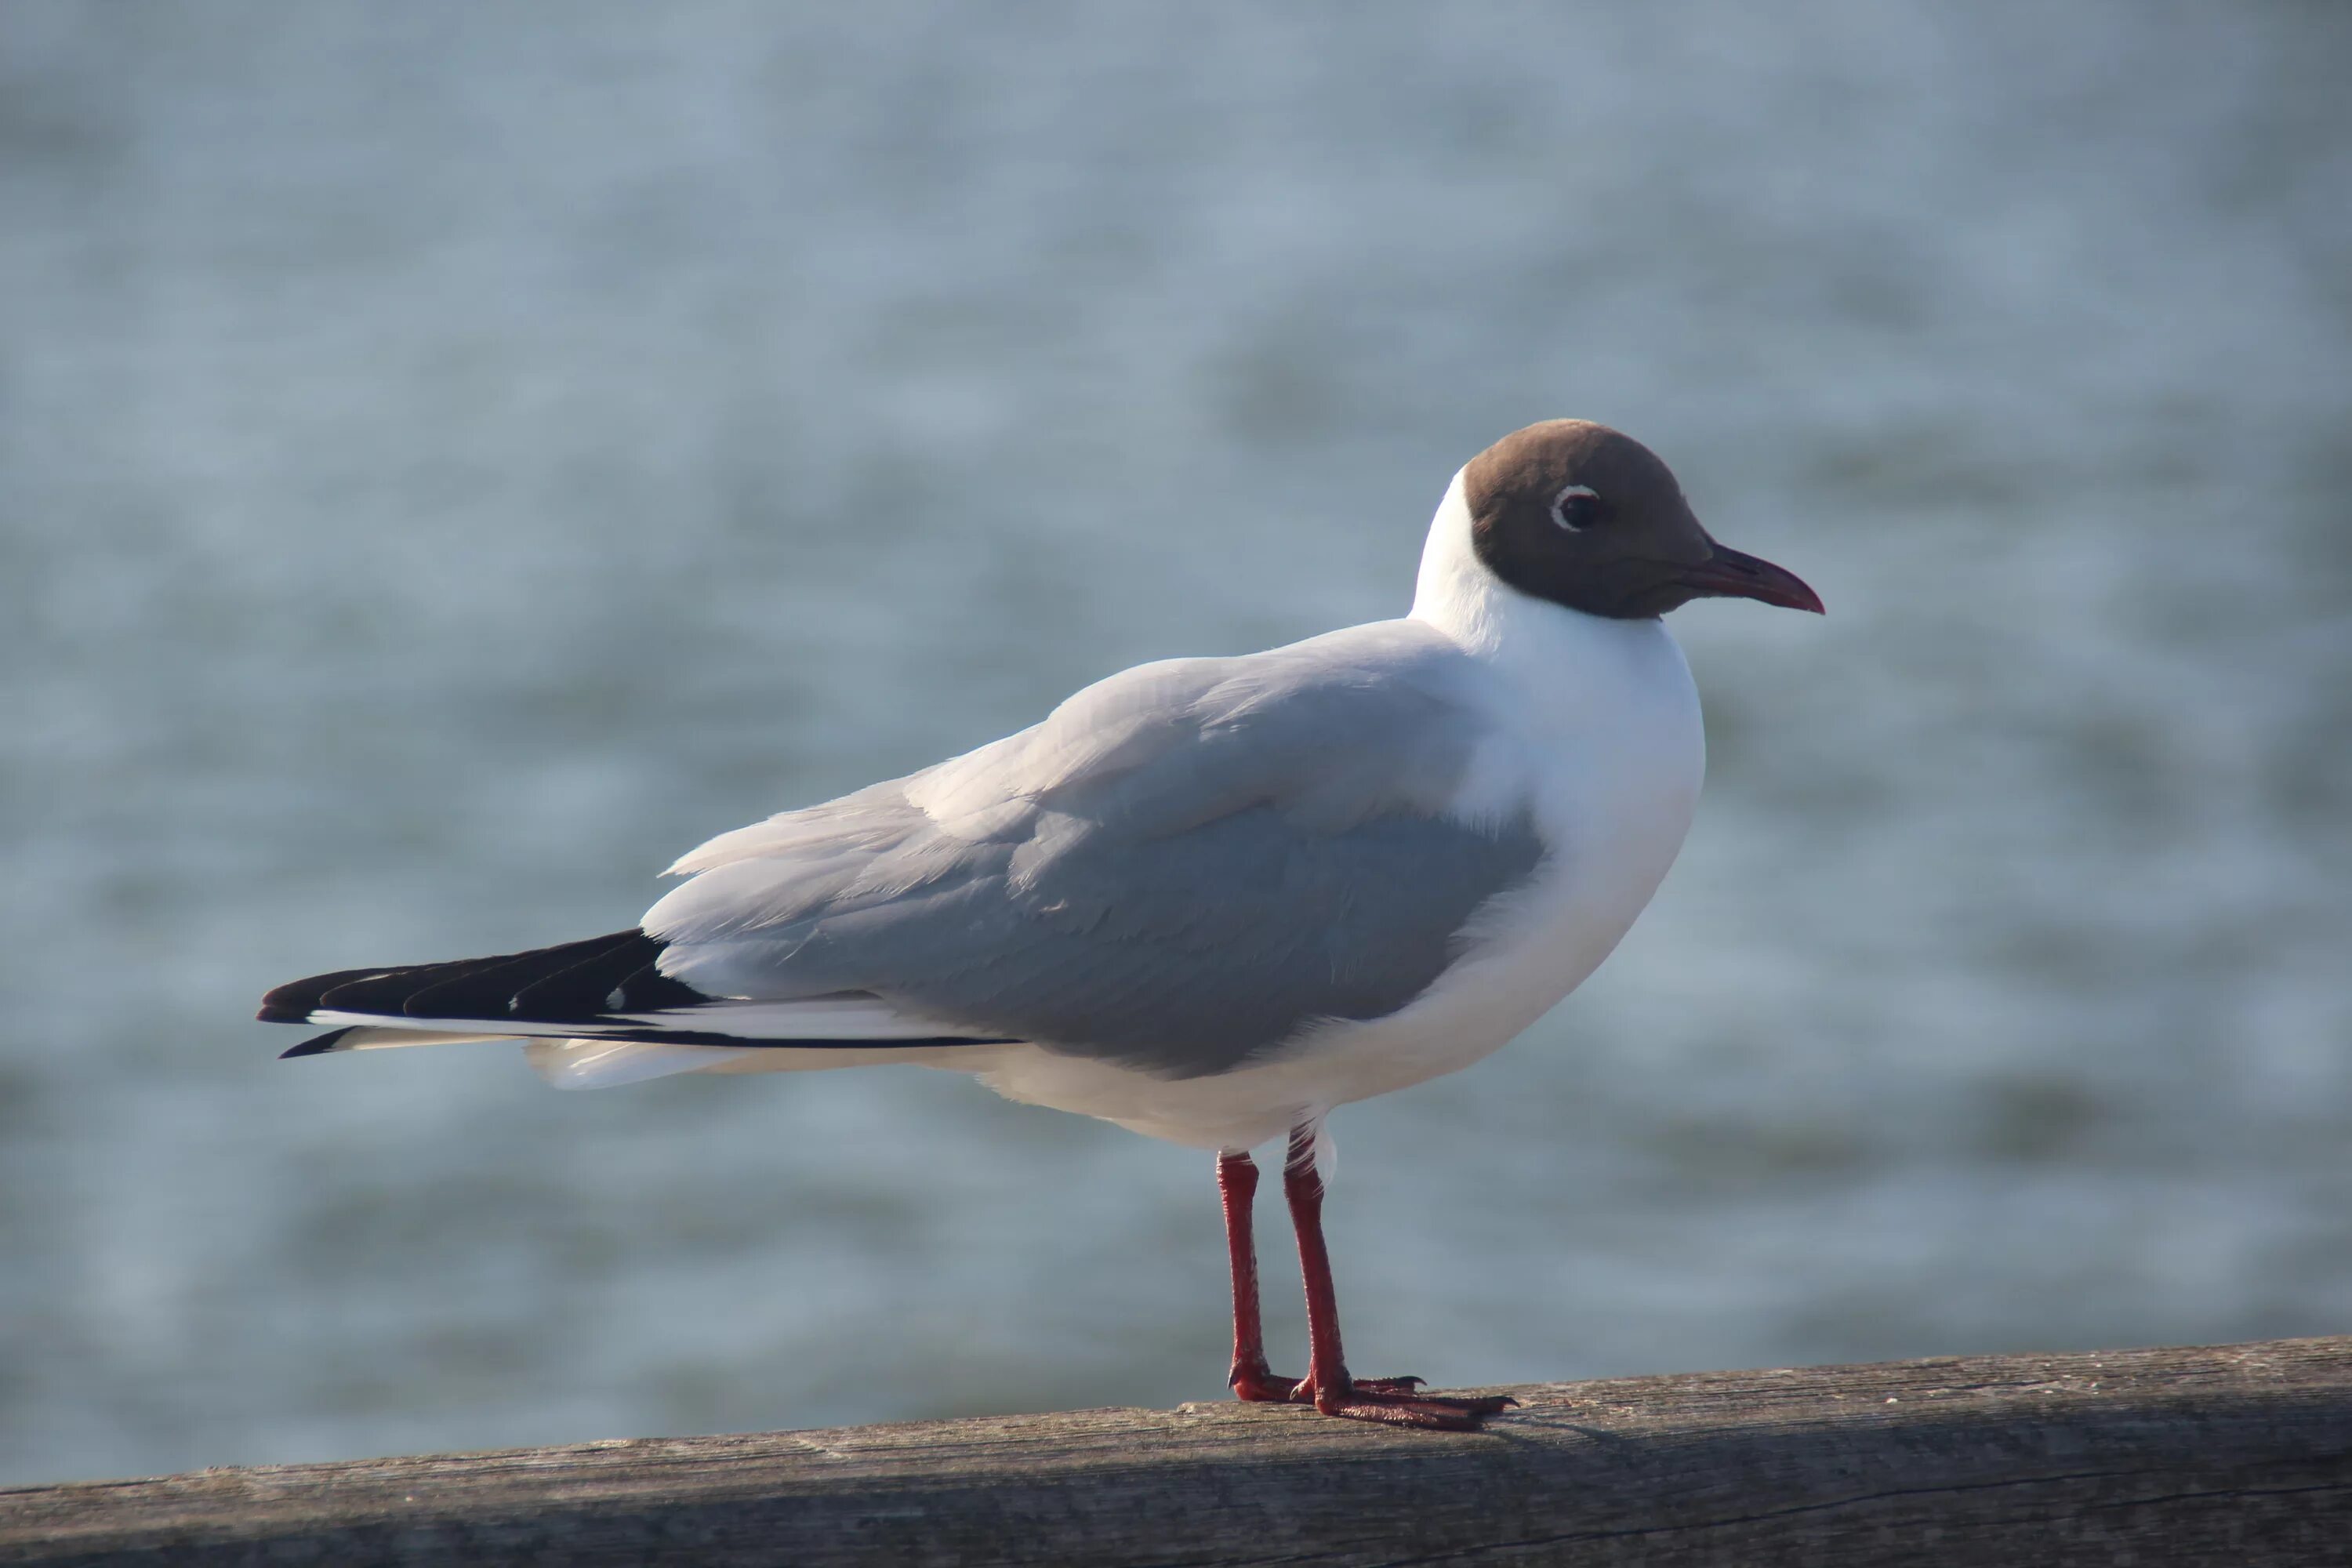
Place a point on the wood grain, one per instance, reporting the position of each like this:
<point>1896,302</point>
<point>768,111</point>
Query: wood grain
<point>2236,1454</point>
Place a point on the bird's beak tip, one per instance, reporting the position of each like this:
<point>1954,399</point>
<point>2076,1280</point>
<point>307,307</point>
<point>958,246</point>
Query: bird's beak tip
<point>1735,575</point>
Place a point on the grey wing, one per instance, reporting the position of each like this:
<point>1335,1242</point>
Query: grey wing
<point>1184,868</point>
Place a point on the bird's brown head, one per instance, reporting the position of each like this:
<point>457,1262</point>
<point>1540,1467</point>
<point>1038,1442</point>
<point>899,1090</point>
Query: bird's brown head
<point>1587,517</point>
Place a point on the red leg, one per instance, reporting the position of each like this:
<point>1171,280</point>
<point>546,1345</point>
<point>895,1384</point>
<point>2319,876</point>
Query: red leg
<point>1391,1400</point>
<point>1250,1378</point>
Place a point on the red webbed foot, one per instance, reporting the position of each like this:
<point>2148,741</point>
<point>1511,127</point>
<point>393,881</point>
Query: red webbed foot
<point>1257,1386</point>
<point>1391,1400</point>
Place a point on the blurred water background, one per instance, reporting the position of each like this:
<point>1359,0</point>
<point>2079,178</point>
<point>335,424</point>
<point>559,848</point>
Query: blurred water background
<point>455,457</point>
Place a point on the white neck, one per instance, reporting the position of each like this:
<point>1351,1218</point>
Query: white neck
<point>1454,592</point>
<point>1459,596</point>
<point>1533,641</point>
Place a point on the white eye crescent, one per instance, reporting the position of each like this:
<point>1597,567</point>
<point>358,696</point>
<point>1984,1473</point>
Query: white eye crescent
<point>1575,507</point>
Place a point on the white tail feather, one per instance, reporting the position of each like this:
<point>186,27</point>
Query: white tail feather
<point>380,1038</point>
<point>606,1064</point>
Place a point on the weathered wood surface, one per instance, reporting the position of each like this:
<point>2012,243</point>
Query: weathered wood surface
<point>2239,1455</point>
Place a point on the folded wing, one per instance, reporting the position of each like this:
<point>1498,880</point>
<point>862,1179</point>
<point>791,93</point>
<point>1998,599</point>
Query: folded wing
<point>1182,869</point>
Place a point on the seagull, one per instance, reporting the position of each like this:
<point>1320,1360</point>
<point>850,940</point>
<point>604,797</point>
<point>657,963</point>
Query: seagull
<point>1209,899</point>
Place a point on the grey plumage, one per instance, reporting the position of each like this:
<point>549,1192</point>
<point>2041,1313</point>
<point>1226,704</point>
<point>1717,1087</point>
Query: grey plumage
<point>1184,867</point>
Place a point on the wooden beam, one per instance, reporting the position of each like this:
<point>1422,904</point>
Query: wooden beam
<point>2239,1455</point>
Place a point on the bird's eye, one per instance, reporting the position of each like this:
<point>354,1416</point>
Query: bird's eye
<point>1576,508</point>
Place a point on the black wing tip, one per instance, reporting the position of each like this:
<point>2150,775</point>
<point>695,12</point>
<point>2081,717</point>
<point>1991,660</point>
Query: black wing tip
<point>332,1041</point>
<point>569,981</point>
<point>292,1002</point>
<point>318,1045</point>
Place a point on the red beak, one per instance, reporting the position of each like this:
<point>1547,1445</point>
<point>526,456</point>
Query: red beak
<point>1730,575</point>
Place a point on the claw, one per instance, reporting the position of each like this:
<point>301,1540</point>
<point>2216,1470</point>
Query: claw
<point>1391,1384</point>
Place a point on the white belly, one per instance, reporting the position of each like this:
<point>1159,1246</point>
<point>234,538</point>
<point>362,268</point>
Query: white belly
<point>1608,752</point>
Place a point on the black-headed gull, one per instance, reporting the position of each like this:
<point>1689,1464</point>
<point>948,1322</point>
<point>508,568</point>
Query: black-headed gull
<point>1207,899</point>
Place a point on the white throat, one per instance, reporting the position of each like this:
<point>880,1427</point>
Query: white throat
<point>1563,666</point>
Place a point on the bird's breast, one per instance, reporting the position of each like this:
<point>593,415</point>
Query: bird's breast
<point>1593,734</point>
<point>1605,753</point>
